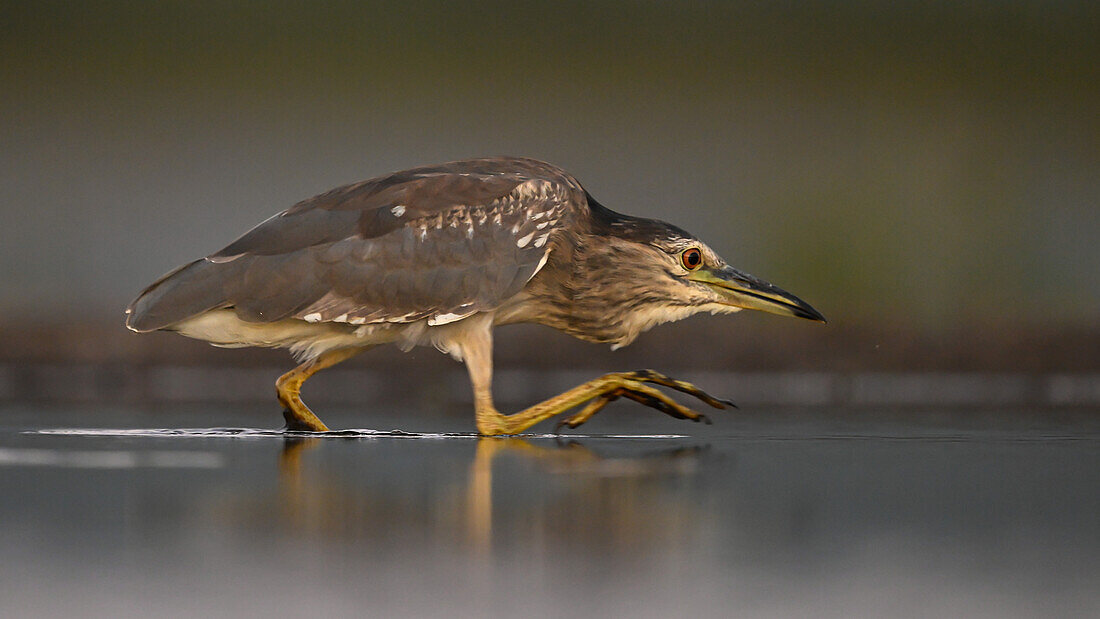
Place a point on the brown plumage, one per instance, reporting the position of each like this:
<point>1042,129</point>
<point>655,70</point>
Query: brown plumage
<point>360,250</point>
<point>439,255</point>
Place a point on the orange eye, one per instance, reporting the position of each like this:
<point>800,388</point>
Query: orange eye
<point>691,259</point>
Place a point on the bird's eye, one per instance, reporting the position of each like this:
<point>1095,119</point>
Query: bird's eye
<point>691,258</point>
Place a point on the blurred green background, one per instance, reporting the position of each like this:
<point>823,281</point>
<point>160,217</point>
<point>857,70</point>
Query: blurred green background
<point>927,168</point>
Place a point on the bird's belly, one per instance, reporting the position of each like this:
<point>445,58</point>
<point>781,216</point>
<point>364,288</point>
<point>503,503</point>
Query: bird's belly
<point>307,340</point>
<point>223,328</point>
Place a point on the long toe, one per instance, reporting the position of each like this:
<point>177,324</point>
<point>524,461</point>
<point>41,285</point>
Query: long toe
<point>653,398</point>
<point>593,407</point>
<point>651,376</point>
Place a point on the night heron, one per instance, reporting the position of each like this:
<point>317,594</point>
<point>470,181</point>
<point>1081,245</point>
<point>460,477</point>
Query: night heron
<point>440,255</point>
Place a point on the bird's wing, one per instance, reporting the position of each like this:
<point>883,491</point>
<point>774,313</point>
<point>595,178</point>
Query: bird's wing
<point>437,243</point>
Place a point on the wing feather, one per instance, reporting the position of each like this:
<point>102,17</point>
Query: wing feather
<point>438,242</point>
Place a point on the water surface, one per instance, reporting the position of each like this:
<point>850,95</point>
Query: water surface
<point>767,513</point>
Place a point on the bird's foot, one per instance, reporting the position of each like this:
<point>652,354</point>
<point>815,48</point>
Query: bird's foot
<point>630,385</point>
<point>657,378</point>
<point>594,406</point>
<point>297,422</point>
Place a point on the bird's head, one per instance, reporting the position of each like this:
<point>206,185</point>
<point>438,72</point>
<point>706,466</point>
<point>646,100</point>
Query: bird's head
<point>690,271</point>
<point>679,275</point>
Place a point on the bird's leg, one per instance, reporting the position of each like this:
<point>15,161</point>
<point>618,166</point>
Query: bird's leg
<point>477,351</point>
<point>600,391</point>
<point>289,387</point>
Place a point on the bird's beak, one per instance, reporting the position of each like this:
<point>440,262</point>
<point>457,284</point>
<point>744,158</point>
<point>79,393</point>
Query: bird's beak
<point>743,290</point>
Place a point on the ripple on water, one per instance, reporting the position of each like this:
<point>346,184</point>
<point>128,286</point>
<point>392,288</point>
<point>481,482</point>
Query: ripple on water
<point>346,434</point>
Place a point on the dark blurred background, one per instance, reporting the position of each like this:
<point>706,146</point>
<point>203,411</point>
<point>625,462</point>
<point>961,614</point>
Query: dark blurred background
<point>927,174</point>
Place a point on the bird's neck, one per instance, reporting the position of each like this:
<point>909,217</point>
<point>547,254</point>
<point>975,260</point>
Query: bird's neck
<point>611,302</point>
<point>597,287</point>
<point>595,291</point>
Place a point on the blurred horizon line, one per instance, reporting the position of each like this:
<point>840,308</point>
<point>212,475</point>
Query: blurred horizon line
<point>168,385</point>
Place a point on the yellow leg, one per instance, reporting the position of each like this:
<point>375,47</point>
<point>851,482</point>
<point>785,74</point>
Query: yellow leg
<point>476,346</point>
<point>598,392</point>
<point>289,387</point>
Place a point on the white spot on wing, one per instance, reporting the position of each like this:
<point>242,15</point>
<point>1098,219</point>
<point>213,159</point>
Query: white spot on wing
<point>542,263</point>
<point>539,242</point>
<point>314,317</point>
<point>525,240</point>
<point>443,319</point>
<point>223,259</point>
<point>398,210</point>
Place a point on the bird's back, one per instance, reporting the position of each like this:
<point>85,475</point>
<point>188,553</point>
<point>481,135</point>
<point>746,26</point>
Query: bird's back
<point>438,243</point>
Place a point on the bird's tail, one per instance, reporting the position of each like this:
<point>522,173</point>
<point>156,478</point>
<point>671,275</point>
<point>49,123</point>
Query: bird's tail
<point>189,290</point>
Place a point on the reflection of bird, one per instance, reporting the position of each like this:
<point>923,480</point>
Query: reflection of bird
<point>626,504</point>
<point>440,255</point>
